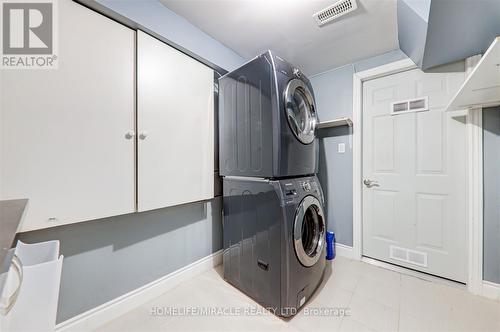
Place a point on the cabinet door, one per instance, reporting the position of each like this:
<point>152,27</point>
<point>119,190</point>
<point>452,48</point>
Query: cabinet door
<point>64,130</point>
<point>175,125</point>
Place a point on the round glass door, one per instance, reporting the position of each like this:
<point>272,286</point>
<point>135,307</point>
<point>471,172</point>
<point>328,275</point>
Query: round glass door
<point>309,231</point>
<point>300,111</point>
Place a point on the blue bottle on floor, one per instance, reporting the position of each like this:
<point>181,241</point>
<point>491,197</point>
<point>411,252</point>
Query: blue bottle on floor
<point>330,245</point>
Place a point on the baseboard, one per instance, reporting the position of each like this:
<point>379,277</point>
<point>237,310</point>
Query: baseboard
<point>344,251</point>
<point>491,290</point>
<point>92,319</point>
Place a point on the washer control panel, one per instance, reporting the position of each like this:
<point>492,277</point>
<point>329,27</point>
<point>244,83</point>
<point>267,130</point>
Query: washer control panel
<point>294,190</point>
<point>290,192</point>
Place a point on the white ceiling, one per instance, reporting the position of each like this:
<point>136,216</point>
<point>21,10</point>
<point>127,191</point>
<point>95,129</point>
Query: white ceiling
<point>288,28</point>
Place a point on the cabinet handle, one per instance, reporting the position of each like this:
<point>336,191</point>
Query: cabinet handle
<point>11,301</point>
<point>130,134</point>
<point>143,135</point>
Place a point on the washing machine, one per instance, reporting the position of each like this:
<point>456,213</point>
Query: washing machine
<point>274,240</point>
<point>267,120</point>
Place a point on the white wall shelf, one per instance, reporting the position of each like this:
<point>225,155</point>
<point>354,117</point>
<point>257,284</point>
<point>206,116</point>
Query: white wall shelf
<point>335,123</point>
<point>482,87</point>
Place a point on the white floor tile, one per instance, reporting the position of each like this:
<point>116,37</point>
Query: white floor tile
<point>470,312</point>
<point>408,323</point>
<point>375,299</point>
<point>305,323</point>
<point>325,312</point>
<point>380,274</point>
<point>137,320</point>
<point>229,323</point>
<point>373,314</point>
<point>351,325</point>
<point>345,276</point>
<point>386,293</point>
<point>420,298</point>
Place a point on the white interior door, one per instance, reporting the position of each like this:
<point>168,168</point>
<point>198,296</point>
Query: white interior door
<point>63,134</point>
<point>414,211</point>
<point>175,125</point>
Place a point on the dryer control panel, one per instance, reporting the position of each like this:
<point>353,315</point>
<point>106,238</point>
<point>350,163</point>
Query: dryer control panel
<point>306,185</point>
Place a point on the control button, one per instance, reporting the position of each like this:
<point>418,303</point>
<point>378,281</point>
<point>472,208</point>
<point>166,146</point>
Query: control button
<point>306,186</point>
<point>296,72</point>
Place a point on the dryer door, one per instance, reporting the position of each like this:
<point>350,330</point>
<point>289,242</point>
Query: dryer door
<point>309,231</point>
<point>300,111</point>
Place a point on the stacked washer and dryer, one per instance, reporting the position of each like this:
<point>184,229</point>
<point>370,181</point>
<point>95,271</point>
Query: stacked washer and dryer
<point>274,224</point>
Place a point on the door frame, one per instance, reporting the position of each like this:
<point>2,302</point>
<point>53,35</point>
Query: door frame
<point>474,190</point>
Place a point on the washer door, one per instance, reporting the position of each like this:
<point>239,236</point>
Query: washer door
<point>309,231</point>
<point>300,111</point>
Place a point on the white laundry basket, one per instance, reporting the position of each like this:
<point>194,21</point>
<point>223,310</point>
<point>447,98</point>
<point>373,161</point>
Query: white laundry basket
<point>32,285</point>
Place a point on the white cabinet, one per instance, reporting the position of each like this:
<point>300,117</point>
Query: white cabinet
<point>67,138</point>
<point>64,130</point>
<point>175,114</point>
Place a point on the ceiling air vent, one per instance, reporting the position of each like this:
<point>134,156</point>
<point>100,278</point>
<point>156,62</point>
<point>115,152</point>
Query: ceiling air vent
<point>336,10</point>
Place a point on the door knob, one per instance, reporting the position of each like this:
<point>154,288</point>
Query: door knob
<point>370,183</point>
<point>143,135</point>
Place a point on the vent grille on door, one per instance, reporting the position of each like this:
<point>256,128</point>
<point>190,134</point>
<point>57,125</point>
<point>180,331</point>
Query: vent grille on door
<point>410,105</point>
<point>408,256</point>
<point>334,11</point>
<point>400,107</point>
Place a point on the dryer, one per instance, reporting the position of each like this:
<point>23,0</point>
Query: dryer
<point>274,240</point>
<point>267,120</point>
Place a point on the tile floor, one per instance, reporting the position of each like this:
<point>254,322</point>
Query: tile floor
<point>375,299</point>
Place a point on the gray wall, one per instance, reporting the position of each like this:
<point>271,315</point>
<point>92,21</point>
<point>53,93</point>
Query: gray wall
<point>419,7</point>
<point>107,258</point>
<point>491,155</point>
<point>459,29</point>
<point>412,28</point>
<point>333,92</point>
<point>437,32</point>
